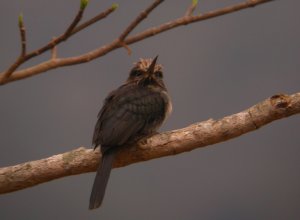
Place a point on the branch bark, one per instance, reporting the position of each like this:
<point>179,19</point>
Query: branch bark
<point>197,135</point>
<point>122,41</point>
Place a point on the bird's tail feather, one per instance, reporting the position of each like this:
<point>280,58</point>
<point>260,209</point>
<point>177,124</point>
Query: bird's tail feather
<point>101,179</point>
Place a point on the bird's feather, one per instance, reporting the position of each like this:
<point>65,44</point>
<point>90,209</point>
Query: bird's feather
<point>101,180</point>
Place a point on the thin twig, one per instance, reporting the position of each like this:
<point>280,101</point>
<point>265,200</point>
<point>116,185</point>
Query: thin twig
<point>74,23</point>
<point>138,20</point>
<point>135,22</point>
<point>72,30</point>
<point>195,136</point>
<point>191,8</point>
<point>192,19</point>
<point>61,38</point>
<point>22,55</point>
<point>23,35</point>
<point>129,51</point>
<point>115,44</point>
<point>95,19</point>
<point>54,50</point>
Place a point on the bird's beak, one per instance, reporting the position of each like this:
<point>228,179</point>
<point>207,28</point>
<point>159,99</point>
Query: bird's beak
<point>152,66</point>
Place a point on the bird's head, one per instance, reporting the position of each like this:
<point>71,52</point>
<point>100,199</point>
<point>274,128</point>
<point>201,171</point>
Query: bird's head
<point>147,73</point>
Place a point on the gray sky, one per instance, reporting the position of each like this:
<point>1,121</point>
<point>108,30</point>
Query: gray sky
<point>212,69</point>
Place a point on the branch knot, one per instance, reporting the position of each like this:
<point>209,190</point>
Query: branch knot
<point>280,101</point>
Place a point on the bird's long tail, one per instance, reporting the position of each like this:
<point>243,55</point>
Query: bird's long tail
<point>101,179</point>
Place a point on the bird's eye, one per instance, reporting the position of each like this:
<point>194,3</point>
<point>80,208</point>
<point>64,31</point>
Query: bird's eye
<point>158,74</point>
<point>136,73</point>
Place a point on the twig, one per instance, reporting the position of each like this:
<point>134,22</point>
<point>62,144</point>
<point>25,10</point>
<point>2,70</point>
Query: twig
<point>169,143</point>
<point>23,35</point>
<point>192,19</point>
<point>62,37</point>
<point>138,19</point>
<point>191,8</point>
<point>22,55</point>
<point>95,19</point>
<point>74,22</point>
<point>115,44</point>
<point>129,51</point>
<point>50,45</point>
<point>135,22</point>
<point>54,51</point>
<point>71,30</point>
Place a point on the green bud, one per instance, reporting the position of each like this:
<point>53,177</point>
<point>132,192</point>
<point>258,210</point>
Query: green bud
<point>114,6</point>
<point>83,4</point>
<point>20,19</point>
<point>194,2</point>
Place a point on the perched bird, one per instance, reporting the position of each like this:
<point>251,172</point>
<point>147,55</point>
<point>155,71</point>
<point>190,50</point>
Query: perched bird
<point>131,112</point>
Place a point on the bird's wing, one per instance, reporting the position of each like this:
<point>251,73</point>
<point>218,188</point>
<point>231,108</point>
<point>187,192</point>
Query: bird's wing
<point>128,112</point>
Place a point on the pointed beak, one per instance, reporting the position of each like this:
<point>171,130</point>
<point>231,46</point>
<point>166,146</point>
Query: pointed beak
<point>152,66</point>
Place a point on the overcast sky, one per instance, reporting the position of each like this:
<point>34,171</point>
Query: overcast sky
<point>212,69</point>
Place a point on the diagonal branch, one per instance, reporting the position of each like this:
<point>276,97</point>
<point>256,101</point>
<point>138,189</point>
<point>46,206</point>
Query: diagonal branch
<point>135,23</point>
<point>138,19</point>
<point>198,135</point>
<point>95,19</point>
<point>115,44</point>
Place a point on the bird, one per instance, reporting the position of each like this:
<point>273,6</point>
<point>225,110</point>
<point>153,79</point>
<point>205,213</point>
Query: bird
<point>133,111</point>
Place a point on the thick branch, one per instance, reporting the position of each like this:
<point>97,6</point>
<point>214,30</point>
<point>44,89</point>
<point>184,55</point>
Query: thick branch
<point>198,135</point>
<point>115,44</point>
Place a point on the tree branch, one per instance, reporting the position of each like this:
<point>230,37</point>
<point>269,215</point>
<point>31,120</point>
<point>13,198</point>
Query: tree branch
<point>138,19</point>
<point>197,135</point>
<point>95,19</point>
<point>143,15</point>
<point>115,44</point>
<point>71,30</point>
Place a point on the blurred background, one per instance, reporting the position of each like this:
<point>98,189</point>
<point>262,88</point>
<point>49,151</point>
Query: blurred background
<point>212,69</point>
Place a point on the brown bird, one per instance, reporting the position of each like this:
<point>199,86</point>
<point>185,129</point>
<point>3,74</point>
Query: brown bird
<point>131,112</point>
